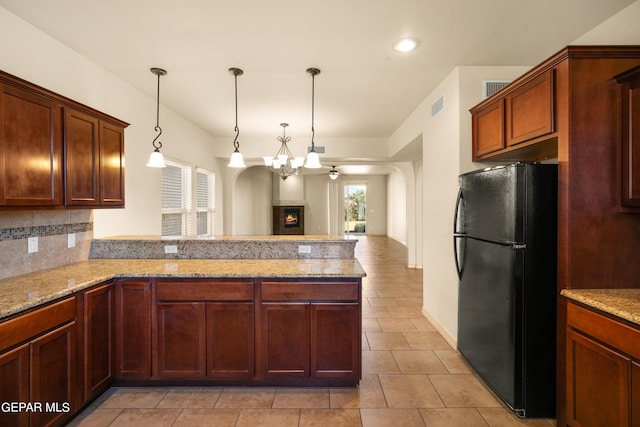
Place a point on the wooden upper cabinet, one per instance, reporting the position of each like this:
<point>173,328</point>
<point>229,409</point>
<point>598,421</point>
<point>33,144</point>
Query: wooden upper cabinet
<point>94,161</point>
<point>82,159</point>
<point>630,143</point>
<point>488,129</point>
<point>529,109</point>
<point>518,124</point>
<point>30,149</point>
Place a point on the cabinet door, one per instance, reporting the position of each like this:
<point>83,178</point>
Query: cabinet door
<point>53,375</point>
<point>230,340</point>
<point>488,129</point>
<point>335,340</point>
<point>30,149</point>
<point>81,149</point>
<point>133,330</point>
<point>14,377</point>
<point>180,342</point>
<point>635,394</point>
<point>529,110</point>
<point>630,150</point>
<point>597,383</point>
<point>111,165</point>
<point>98,340</point>
<point>285,340</point>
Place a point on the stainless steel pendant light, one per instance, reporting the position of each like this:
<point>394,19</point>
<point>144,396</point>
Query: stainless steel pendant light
<point>156,159</point>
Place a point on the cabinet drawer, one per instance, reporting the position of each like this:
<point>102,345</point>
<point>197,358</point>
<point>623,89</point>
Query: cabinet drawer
<point>205,291</point>
<point>314,291</point>
<point>36,322</point>
<point>617,334</point>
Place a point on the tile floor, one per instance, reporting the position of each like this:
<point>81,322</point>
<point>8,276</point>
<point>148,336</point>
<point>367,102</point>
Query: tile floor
<point>411,375</point>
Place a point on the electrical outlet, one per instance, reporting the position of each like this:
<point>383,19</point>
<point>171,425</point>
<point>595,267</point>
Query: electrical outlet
<point>170,249</point>
<point>304,249</point>
<point>32,245</point>
<point>71,240</point>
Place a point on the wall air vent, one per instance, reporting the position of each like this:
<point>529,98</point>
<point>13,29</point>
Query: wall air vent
<point>437,106</point>
<point>319,149</point>
<point>489,87</point>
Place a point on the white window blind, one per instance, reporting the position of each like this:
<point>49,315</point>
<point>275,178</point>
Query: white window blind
<point>205,202</point>
<point>176,199</point>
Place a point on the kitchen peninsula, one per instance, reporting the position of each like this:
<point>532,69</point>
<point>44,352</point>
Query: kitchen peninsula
<point>73,331</point>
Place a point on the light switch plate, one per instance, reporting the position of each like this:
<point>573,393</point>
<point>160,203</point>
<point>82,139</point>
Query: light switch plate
<point>304,249</point>
<point>170,249</point>
<point>71,240</point>
<point>32,245</point>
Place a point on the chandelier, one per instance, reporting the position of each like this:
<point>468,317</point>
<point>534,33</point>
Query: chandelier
<point>284,163</point>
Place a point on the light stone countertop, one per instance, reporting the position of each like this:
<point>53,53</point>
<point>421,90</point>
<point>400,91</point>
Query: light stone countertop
<point>622,303</point>
<point>23,292</point>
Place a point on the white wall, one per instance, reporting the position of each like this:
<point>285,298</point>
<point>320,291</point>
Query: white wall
<point>316,216</point>
<point>44,61</point>
<point>397,206</point>
<point>252,214</point>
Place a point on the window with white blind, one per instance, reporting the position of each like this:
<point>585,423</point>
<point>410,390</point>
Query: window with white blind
<point>205,202</point>
<point>176,199</point>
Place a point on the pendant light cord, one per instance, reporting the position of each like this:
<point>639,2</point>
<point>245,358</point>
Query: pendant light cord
<point>157,144</point>
<point>313,104</point>
<point>236,144</point>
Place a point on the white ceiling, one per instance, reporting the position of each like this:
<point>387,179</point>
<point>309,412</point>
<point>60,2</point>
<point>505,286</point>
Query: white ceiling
<point>365,89</point>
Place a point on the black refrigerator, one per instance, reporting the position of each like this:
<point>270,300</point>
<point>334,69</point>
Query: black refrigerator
<point>505,244</point>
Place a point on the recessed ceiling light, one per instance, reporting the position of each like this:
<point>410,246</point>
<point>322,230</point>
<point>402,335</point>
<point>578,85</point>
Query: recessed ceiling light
<point>405,45</point>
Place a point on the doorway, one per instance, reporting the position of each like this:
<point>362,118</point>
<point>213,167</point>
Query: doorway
<point>355,208</point>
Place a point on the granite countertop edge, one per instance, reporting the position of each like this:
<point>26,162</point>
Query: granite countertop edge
<point>622,303</point>
<point>28,291</point>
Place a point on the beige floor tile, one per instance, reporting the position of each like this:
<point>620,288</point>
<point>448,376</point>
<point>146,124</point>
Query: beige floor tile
<point>409,301</point>
<point>371,325</point>
<point>269,418</point>
<point>135,397</point>
<point>207,418</point>
<point>426,341</point>
<point>369,312</point>
<point>503,417</point>
<point>423,324</point>
<point>246,398</point>
<point>419,362</point>
<point>391,418</point>
<point>301,398</point>
<point>405,313</point>
<point>368,395</point>
<point>410,391</point>
<point>387,341</point>
<point>382,302</point>
<point>95,418</point>
<point>146,418</point>
<point>453,361</point>
<point>330,417</point>
<point>190,398</point>
<point>379,362</point>
<point>463,391</point>
<point>453,417</point>
<point>397,325</point>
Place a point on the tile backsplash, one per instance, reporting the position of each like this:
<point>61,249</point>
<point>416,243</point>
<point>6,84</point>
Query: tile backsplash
<point>52,229</point>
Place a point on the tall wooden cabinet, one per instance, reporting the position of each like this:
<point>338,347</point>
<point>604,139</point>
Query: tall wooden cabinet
<point>630,144</point>
<point>57,152</point>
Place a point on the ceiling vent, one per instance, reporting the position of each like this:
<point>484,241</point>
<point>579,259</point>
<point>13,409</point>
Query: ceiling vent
<point>437,106</point>
<point>319,149</point>
<point>489,87</point>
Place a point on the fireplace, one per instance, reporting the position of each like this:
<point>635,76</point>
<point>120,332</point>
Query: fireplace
<point>288,220</point>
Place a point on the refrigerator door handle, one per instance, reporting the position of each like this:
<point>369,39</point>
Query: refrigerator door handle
<point>457,235</point>
<point>459,265</point>
<point>455,213</point>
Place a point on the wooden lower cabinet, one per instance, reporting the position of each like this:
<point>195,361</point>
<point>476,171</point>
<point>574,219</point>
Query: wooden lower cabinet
<point>230,340</point>
<point>98,351</point>
<point>285,340</point>
<point>133,329</point>
<point>335,340</point>
<point>14,372</point>
<point>603,374</point>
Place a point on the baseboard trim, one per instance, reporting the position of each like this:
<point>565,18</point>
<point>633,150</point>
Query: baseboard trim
<point>453,342</point>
